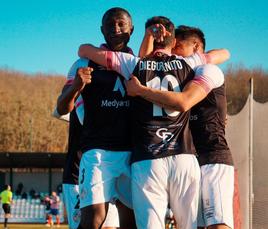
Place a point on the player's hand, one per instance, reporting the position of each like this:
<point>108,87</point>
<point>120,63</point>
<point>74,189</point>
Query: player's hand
<point>158,31</point>
<point>82,78</point>
<point>133,86</point>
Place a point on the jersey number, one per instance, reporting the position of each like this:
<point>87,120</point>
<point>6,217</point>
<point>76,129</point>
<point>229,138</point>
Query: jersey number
<point>156,83</point>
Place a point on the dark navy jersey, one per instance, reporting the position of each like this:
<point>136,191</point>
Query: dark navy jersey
<point>71,167</point>
<point>106,111</point>
<point>207,123</point>
<point>158,132</point>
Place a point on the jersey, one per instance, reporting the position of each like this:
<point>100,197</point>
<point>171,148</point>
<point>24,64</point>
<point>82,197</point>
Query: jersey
<point>72,160</point>
<point>106,108</point>
<point>6,196</point>
<point>208,120</point>
<point>106,120</point>
<point>157,132</point>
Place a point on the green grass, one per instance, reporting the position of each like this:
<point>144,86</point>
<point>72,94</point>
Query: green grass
<point>31,226</point>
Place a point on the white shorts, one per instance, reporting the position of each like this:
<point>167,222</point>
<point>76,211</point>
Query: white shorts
<point>104,176</point>
<point>217,191</point>
<point>155,183</point>
<point>71,199</point>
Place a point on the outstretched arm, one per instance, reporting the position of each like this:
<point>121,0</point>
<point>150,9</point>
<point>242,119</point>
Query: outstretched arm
<point>218,56</point>
<point>91,52</point>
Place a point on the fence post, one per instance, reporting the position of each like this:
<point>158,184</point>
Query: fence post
<point>251,194</point>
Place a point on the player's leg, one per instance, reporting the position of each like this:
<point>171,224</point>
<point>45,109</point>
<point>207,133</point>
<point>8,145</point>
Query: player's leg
<point>112,218</point>
<point>124,202</point>
<point>184,189</point>
<point>7,211</point>
<point>126,216</point>
<point>149,192</point>
<point>217,195</point>
<point>97,177</point>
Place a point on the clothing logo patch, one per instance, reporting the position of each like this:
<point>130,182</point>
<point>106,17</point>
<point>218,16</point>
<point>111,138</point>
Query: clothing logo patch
<point>164,134</point>
<point>119,87</point>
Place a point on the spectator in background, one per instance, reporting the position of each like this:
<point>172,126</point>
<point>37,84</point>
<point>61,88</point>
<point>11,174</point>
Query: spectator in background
<point>32,193</point>
<point>6,199</point>
<point>54,209</point>
<point>19,189</point>
<point>24,195</point>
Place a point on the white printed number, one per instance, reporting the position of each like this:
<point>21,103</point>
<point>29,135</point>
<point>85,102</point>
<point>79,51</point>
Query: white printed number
<point>156,83</point>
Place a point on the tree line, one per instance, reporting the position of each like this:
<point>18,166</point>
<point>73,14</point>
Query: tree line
<point>27,102</point>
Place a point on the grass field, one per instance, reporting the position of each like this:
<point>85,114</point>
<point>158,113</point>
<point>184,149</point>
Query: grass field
<point>32,226</point>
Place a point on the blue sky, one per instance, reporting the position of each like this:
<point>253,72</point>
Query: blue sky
<point>43,35</point>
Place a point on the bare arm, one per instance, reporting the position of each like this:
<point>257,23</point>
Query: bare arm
<point>154,32</point>
<point>66,100</point>
<point>218,56</point>
<point>179,101</point>
<point>93,53</point>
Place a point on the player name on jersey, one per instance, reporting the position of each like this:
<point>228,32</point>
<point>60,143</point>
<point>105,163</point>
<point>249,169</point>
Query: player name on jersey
<point>160,66</point>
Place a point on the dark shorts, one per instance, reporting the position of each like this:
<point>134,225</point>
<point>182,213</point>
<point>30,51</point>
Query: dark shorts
<point>54,211</point>
<point>6,208</point>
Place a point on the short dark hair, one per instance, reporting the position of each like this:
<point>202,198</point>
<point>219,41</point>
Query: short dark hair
<point>185,32</point>
<point>6,186</point>
<point>168,24</point>
<point>115,11</point>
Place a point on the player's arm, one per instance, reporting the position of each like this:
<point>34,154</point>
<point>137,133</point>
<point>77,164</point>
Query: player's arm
<point>154,32</point>
<point>207,77</point>
<point>66,100</point>
<point>91,52</point>
<point>218,56</point>
<point>123,63</point>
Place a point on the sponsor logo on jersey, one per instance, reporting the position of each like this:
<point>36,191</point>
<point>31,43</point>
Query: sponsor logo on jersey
<point>115,103</point>
<point>119,87</point>
<point>164,134</point>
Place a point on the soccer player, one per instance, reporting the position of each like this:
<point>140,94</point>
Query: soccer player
<point>71,171</point>
<point>207,120</point>
<point>164,166</point>
<point>6,199</point>
<point>104,171</point>
<point>214,156</point>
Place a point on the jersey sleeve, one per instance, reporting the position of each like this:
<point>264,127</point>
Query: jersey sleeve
<point>80,63</point>
<point>196,59</point>
<point>123,63</point>
<point>209,76</point>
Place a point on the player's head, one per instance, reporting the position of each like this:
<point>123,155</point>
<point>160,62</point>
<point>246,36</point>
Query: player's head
<point>188,41</point>
<point>168,41</point>
<point>117,28</point>
<point>7,187</point>
<point>53,193</point>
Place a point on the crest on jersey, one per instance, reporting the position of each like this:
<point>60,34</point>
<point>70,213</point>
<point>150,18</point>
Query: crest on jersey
<point>119,87</point>
<point>164,134</point>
